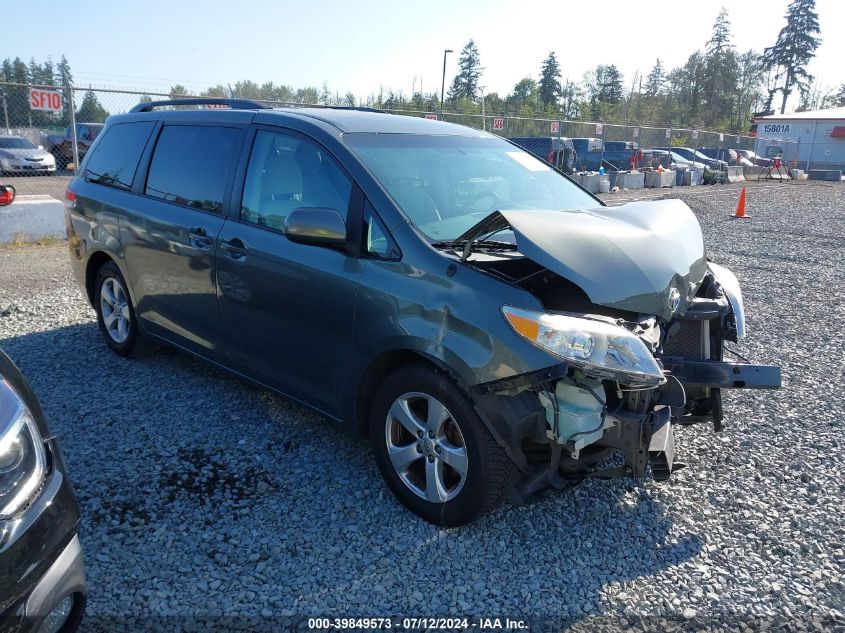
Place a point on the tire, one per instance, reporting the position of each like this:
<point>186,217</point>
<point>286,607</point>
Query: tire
<point>450,479</point>
<point>115,312</point>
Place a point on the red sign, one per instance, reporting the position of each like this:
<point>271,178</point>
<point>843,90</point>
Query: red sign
<point>498,124</point>
<point>599,129</point>
<point>47,100</point>
<point>433,117</point>
<point>555,127</point>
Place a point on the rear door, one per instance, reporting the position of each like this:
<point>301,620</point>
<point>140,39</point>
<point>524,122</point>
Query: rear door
<point>288,309</point>
<point>169,235</point>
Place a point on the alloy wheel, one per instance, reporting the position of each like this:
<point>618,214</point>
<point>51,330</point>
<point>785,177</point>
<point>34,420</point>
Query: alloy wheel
<point>426,447</point>
<point>114,306</point>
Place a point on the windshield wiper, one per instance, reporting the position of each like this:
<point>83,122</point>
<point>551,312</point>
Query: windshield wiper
<point>467,246</point>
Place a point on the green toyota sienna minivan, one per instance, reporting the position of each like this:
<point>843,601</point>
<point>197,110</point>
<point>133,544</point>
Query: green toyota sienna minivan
<point>495,329</point>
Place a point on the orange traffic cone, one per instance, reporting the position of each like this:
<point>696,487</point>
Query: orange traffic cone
<point>740,207</point>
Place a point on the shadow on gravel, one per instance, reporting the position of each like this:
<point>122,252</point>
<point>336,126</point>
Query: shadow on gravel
<point>202,496</point>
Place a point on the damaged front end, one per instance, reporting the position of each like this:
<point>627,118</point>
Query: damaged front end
<point>632,365</point>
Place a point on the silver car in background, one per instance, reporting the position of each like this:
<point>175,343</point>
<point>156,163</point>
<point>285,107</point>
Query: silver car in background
<point>19,155</point>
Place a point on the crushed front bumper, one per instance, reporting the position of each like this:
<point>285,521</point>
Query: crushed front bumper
<point>722,375</point>
<point>512,412</point>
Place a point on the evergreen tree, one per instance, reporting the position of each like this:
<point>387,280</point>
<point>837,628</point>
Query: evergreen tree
<point>91,111</point>
<point>605,84</point>
<point>721,38</point>
<point>465,84</point>
<point>65,78</point>
<point>719,71</point>
<point>655,80</point>
<point>550,89</point>
<point>795,47</point>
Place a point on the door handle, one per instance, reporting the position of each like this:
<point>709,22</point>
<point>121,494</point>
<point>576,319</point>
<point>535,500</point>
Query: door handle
<point>235,248</point>
<point>200,239</point>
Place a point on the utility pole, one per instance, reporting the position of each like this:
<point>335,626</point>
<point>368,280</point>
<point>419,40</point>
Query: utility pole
<point>5,111</point>
<point>483,118</point>
<point>443,81</point>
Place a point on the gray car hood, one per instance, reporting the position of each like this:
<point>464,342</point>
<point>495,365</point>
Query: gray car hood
<point>645,257</point>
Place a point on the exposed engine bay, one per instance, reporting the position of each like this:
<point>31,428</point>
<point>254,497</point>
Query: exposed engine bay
<point>640,332</point>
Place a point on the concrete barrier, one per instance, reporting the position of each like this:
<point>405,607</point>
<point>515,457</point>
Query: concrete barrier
<point>736,174</point>
<point>630,180</point>
<point>689,177</point>
<point>658,180</point>
<point>592,182</point>
<point>833,175</point>
<point>33,218</point>
<point>755,173</point>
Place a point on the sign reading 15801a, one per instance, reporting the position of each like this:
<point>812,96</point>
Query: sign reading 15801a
<point>47,100</point>
<point>776,128</point>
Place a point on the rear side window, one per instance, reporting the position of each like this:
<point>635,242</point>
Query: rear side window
<point>115,159</point>
<point>191,165</point>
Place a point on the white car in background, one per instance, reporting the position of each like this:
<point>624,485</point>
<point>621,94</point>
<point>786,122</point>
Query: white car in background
<point>19,156</point>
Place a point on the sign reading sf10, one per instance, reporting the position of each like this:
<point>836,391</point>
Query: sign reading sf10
<point>47,100</point>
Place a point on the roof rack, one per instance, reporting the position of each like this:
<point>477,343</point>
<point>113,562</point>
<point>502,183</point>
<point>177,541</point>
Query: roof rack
<point>236,104</point>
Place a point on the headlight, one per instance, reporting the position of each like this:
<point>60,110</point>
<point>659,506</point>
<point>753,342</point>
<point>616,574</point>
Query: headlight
<point>23,463</point>
<point>730,285</point>
<point>601,349</point>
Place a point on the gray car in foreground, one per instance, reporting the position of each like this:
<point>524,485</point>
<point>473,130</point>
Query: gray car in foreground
<point>492,327</point>
<point>42,574</point>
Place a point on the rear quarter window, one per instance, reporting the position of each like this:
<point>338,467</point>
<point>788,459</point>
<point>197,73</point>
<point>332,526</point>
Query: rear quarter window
<point>115,159</point>
<point>191,165</point>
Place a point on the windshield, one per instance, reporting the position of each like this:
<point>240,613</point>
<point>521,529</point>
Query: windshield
<point>446,184</point>
<point>15,142</point>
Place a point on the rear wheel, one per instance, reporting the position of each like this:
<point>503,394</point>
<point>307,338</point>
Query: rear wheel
<point>433,450</point>
<point>115,313</point>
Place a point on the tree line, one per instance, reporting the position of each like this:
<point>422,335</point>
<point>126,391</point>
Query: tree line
<point>718,87</point>
<point>15,99</point>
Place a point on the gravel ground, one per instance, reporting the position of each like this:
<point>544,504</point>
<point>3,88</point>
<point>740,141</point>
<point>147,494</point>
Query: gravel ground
<point>204,497</point>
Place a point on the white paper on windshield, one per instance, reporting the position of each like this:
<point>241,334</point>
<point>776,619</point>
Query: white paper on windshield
<point>528,161</point>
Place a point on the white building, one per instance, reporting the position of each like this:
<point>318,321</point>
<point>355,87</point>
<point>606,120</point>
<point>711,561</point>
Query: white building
<point>814,139</point>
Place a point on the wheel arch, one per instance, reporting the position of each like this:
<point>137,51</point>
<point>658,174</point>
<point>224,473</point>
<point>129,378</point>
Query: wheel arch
<point>95,262</point>
<point>380,367</point>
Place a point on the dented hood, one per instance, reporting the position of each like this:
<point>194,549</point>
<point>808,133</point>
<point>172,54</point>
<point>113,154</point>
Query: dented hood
<point>643,257</point>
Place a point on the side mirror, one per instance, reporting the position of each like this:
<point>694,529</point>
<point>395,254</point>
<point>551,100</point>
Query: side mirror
<point>7,195</point>
<point>320,226</point>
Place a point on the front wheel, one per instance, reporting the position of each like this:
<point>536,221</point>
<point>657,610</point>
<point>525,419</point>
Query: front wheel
<point>433,450</point>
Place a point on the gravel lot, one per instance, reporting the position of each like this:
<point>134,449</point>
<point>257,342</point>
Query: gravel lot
<point>202,497</point>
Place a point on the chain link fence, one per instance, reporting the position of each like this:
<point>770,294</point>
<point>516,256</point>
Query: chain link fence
<point>47,130</point>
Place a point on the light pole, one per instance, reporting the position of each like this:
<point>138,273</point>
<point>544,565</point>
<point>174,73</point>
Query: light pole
<point>443,82</point>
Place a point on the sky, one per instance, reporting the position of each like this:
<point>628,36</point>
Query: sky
<point>363,45</point>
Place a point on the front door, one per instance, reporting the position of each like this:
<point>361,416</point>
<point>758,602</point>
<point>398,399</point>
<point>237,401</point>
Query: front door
<point>169,234</point>
<point>287,309</point>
